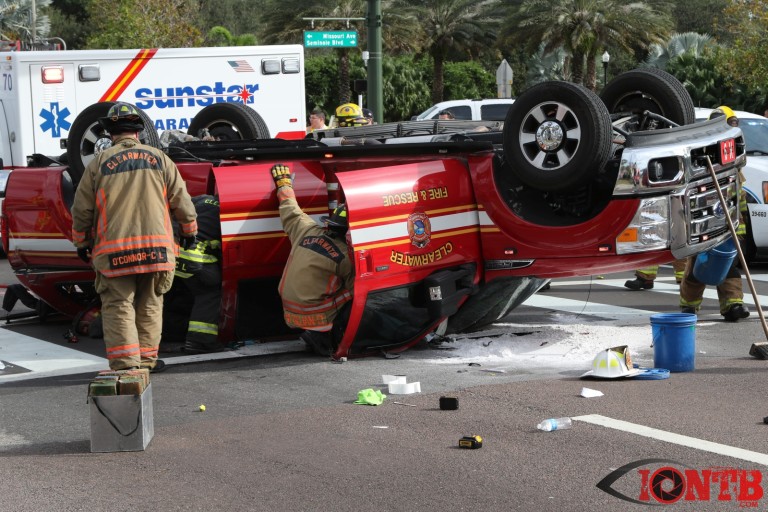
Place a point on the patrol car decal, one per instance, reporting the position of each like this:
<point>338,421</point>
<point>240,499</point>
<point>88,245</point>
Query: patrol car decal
<point>130,72</point>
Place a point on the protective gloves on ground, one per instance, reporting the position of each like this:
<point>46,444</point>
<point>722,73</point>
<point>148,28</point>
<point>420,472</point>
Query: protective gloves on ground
<point>84,253</point>
<point>282,176</point>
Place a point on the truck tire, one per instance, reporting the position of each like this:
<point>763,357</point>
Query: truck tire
<point>649,89</point>
<point>229,121</point>
<point>86,133</point>
<point>557,135</point>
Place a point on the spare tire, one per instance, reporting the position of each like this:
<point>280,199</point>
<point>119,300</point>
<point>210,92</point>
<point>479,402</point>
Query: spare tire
<point>652,89</point>
<point>229,121</point>
<point>87,138</point>
<point>557,135</point>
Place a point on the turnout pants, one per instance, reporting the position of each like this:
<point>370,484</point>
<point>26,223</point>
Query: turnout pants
<point>649,273</point>
<point>132,314</point>
<point>728,292</point>
<point>205,287</point>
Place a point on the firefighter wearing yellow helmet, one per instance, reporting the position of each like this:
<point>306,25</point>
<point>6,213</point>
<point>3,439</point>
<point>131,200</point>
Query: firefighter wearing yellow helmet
<point>349,114</point>
<point>730,292</point>
<point>730,115</point>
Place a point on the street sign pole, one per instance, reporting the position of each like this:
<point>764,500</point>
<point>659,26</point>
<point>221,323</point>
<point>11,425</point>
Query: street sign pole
<point>375,68</point>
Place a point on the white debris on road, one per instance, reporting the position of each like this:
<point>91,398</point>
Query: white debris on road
<point>567,346</point>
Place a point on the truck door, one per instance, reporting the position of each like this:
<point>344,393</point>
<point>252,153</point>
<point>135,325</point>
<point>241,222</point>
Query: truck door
<point>415,240</point>
<point>54,106</point>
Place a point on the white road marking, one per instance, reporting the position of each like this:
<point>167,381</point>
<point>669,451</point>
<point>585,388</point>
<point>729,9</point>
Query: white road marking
<point>660,286</point>
<point>671,437</point>
<point>42,358</point>
<point>8,440</point>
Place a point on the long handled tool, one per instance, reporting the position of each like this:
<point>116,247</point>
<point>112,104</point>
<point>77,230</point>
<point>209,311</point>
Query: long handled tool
<point>759,352</point>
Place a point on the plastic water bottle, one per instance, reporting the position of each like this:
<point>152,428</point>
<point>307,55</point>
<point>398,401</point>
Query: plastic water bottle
<point>555,424</point>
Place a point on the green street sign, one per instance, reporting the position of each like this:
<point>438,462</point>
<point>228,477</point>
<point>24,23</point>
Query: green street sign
<point>333,39</point>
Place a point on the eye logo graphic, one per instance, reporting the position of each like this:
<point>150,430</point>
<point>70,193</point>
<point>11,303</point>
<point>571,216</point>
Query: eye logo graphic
<point>669,484</point>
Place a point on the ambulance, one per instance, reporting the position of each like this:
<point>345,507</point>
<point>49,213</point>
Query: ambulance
<point>42,92</point>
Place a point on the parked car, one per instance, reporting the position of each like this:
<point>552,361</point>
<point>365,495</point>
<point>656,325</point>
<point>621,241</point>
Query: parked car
<point>755,130</point>
<point>470,110</point>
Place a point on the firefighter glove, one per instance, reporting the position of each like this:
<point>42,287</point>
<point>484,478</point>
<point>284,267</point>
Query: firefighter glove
<point>84,253</point>
<point>282,176</point>
<point>188,242</point>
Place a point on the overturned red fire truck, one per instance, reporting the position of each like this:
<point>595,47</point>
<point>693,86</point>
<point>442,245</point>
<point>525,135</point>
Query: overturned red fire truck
<point>449,220</point>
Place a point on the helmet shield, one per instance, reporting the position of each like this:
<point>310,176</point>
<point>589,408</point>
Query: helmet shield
<point>121,118</point>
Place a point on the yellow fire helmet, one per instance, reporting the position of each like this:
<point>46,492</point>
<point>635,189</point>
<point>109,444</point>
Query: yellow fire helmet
<point>612,363</point>
<point>722,110</point>
<point>349,114</point>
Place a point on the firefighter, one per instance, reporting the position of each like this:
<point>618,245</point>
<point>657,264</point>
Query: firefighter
<point>198,277</point>
<point>316,286</point>
<point>645,277</point>
<point>121,224</point>
<point>349,114</point>
<point>729,292</point>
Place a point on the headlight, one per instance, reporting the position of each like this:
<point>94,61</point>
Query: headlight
<point>649,229</point>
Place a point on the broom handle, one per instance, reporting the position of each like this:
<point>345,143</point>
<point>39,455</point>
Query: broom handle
<point>736,241</point>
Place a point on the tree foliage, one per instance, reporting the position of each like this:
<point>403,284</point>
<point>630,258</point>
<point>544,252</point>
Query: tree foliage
<point>464,27</point>
<point>16,20</point>
<point>144,24</point>
<point>584,29</point>
<point>744,59</point>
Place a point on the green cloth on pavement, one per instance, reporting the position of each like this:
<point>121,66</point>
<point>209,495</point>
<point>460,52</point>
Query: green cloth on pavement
<point>370,397</point>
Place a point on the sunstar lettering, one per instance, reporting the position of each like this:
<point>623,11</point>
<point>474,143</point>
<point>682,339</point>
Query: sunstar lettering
<point>202,96</point>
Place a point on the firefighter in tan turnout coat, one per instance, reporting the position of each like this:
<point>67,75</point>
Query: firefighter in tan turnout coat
<point>121,223</point>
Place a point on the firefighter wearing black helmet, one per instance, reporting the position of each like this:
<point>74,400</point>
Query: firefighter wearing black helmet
<point>121,224</point>
<point>316,286</point>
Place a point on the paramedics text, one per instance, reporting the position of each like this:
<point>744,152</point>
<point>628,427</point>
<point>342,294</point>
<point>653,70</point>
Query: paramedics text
<point>187,96</point>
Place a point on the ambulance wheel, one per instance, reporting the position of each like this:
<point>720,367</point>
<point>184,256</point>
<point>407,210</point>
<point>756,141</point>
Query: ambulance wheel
<point>87,138</point>
<point>229,121</point>
<point>557,135</point>
<point>648,89</point>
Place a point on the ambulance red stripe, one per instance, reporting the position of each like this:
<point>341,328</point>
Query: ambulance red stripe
<point>130,72</point>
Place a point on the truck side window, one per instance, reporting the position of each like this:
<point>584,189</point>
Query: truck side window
<point>494,112</point>
<point>464,113</point>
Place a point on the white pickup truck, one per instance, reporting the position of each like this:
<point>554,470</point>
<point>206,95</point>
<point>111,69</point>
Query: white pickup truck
<point>470,110</point>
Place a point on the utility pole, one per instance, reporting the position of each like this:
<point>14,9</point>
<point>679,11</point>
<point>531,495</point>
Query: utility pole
<point>375,69</point>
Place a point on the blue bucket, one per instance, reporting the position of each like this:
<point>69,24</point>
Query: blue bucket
<point>712,266</point>
<point>674,341</point>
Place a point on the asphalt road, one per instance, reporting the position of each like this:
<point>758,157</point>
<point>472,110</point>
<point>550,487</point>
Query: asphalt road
<point>281,431</point>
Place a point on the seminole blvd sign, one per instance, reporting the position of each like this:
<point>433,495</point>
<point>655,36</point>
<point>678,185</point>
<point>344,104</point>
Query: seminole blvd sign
<point>332,39</point>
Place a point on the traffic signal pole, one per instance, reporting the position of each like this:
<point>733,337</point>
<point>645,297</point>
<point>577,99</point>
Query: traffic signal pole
<point>375,81</point>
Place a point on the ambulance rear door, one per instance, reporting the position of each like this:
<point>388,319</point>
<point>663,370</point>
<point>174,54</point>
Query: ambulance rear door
<point>53,106</point>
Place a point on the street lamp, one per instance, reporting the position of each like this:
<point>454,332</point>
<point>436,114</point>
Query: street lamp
<point>606,59</point>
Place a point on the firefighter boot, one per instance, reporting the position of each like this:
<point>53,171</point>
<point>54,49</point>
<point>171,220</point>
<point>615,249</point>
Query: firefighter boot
<point>735,313</point>
<point>639,284</point>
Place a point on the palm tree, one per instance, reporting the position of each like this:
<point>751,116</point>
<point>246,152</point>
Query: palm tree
<point>446,26</point>
<point>16,20</point>
<point>691,43</point>
<point>585,28</point>
<point>285,24</point>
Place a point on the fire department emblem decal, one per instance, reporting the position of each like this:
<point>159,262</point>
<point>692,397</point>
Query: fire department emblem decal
<point>419,229</point>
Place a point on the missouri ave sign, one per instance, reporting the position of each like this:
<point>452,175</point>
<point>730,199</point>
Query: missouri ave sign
<point>333,39</point>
